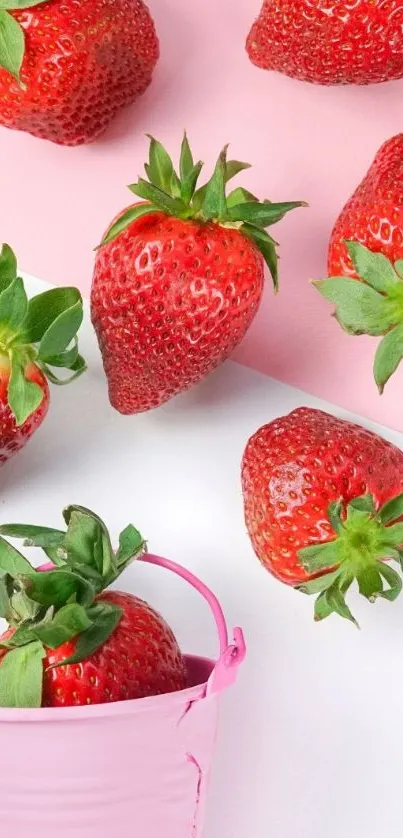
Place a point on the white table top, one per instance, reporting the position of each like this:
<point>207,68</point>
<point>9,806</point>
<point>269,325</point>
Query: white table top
<point>310,743</point>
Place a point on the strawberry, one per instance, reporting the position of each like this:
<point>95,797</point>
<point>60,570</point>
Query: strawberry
<point>67,67</point>
<point>367,244</point>
<point>328,42</point>
<point>179,278</point>
<point>69,641</point>
<point>35,336</point>
<point>322,499</point>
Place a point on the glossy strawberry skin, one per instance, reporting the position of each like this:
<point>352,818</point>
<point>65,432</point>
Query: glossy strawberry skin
<point>12,437</point>
<point>170,301</point>
<point>374,214</point>
<point>141,658</point>
<point>329,42</point>
<point>83,62</point>
<point>294,467</point>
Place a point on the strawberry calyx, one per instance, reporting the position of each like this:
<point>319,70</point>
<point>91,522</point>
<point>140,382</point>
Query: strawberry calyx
<point>366,538</point>
<point>45,610</point>
<point>12,38</point>
<point>180,196</point>
<point>372,306</point>
<point>40,331</point>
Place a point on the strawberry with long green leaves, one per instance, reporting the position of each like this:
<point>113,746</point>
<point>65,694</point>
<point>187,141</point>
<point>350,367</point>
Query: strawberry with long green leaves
<point>38,339</point>
<point>372,306</point>
<point>323,502</point>
<point>179,277</point>
<point>70,641</point>
<point>68,66</point>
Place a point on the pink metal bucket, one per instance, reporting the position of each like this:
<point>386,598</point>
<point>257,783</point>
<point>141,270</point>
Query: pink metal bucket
<point>132,769</point>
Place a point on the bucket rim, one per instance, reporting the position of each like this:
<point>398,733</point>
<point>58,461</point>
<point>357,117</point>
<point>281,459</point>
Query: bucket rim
<point>128,707</point>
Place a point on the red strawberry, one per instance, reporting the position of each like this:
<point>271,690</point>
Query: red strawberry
<point>371,224</point>
<point>35,335</point>
<point>69,65</point>
<point>321,499</point>
<point>179,278</point>
<point>329,42</point>
<point>68,643</point>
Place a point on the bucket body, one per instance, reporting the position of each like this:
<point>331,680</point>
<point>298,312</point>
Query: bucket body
<point>130,769</point>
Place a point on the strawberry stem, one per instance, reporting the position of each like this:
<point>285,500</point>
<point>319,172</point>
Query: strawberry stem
<point>365,539</point>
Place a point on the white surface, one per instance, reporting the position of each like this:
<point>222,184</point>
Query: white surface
<point>310,744</point>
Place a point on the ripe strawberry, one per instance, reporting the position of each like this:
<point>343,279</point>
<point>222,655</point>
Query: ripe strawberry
<point>367,234</point>
<point>328,42</point>
<point>179,278</point>
<point>321,499</point>
<point>35,335</point>
<point>67,67</point>
<point>70,643</point>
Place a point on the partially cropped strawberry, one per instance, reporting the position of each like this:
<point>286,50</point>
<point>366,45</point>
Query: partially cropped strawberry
<point>367,244</point>
<point>67,66</point>
<point>179,278</point>
<point>69,641</point>
<point>322,500</point>
<point>37,337</point>
<point>330,42</point>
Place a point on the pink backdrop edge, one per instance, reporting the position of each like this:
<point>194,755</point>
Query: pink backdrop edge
<point>305,142</point>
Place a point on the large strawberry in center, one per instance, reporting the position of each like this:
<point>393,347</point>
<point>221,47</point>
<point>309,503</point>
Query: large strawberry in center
<point>179,278</point>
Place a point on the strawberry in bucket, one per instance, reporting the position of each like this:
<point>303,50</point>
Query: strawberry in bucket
<point>70,641</point>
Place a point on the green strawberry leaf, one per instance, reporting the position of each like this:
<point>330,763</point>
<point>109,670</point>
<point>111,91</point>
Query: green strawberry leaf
<point>155,195</point>
<point>48,539</point>
<point>322,607</point>
<point>186,164</point>
<point>6,589</point>
<point>66,359</point>
<point>334,515</point>
<point>13,305</point>
<point>88,542</point>
<point>61,332</point>
<point>239,196</point>
<point>388,356</point>
<point>57,588</point>
<point>67,623</point>
<point>126,219</point>
<point>370,581</point>
<point>21,637</point>
<point>398,266</point>
<point>262,214</point>
<point>12,44</point>
<point>391,511</point>
<point>11,561</point>
<point>214,202</point>
<point>267,247</point>
<point>364,503</point>
<point>319,557</point>
<point>160,169</point>
<point>321,583</point>
<point>131,543</point>
<point>23,607</point>
<point>336,601</point>
<point>77,368</point>
<point>374,268</point>
<point>24,397</point>
<point>21,676</point>
<point>188,184</point>
<point>20,4</point>
<point>105,618</point>
<point>359,308</point>
<point>393,580</point>
<point>45,309</point>
<point>8,267</point>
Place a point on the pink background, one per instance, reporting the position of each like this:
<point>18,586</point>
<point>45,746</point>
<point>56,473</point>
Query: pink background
<point>305,142</point>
